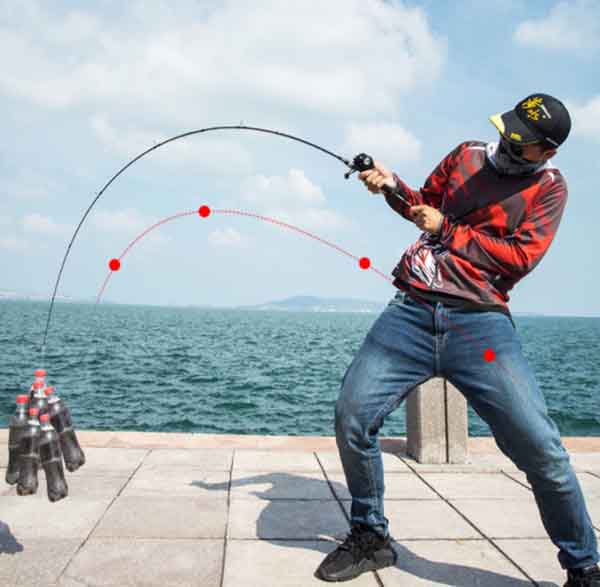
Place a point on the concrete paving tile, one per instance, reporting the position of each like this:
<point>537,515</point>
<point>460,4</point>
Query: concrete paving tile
<point>593,506</point>
<point>538,558</point>
<point>279,485</point>
<point>94,437</point>
<point>463,563</point>
<point>590,484</point>
<point>207,459</point>
<point>152,563</point>
<point>586,461</point>
<point>423,519</point>
<point>492,463</point>
<point>332,464</point>
<point>134,439</point>
<point>397,486</point>
<point>260,562</point>
<point>274,460</point>
<point>285,519</point>
<point>29,517</point>
<point>476,485</point>
<point>178,481</point>
<point>31,562</point>
<point>115,459</point>
<point>80,486</point>
<point>504,518</point>
<point>164,517</point>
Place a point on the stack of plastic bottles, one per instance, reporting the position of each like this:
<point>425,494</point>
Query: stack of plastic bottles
<point>40,436</point>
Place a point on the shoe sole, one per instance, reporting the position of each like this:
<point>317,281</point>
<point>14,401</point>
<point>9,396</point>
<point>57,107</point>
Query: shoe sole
<point>369,566</point>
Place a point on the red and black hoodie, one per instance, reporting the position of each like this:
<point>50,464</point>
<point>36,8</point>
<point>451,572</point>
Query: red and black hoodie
<point>496,229</point>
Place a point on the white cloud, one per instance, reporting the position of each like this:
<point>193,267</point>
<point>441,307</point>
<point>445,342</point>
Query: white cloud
<point>569,25</point>
<point>225,237</point>
<point>207,153</point>
<point>386,142</point>
<point>586,118</point>
<point>292,198</point>
<point>37,224</point>
<point>183,64</point>
<point>295,189</point>
<point>128,223</point>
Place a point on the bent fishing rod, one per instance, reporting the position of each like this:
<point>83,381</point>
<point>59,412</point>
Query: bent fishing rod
<point>362,162</point>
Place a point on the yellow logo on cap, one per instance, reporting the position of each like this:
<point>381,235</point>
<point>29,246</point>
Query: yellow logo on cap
<point>531,105</point>
<point>516,136</point>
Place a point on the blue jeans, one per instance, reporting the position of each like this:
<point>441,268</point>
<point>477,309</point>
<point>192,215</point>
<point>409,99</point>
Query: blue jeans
<point>412,341</point>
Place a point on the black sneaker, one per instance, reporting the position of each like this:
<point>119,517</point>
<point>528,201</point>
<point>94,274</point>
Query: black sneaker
<point>363,550</point>
<point>588,577</point>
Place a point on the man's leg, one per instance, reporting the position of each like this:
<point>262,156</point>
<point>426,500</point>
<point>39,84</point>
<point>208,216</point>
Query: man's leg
<point>505,394</point>
<point>396,355</point>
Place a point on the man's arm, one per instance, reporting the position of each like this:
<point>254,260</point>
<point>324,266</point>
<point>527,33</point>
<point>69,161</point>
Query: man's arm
<point>431,193</point>
<point>519,253</point>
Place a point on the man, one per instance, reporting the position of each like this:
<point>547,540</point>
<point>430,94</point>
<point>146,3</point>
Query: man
<point>488,213</point>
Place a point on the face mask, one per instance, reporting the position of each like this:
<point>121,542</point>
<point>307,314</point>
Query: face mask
<point>514,152</point>
<point>507,158</point>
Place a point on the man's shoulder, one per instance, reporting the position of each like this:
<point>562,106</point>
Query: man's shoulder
<point>470,147</point>
<point>552,178</point>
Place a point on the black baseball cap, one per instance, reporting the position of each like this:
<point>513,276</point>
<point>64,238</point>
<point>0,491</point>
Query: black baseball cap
<point>538,117</point>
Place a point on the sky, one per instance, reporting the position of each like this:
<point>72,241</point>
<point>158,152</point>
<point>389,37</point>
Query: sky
<point>84,87</point>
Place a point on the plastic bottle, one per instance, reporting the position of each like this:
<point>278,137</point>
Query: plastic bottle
<point>29,456</point>
<point>38,399</point>
<point>60,417</point>
<point>51,458</point>
<point>40,377</point>
<point>17,425</point>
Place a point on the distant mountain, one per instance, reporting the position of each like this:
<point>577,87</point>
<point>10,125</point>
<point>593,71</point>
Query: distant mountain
<point>315,304</point>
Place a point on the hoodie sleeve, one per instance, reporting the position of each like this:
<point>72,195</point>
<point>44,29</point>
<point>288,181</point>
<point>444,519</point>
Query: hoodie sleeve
<point>517,254</point>
<point>431,193</point>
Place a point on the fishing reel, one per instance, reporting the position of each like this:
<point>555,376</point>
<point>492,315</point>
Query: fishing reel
<point>362,162</point>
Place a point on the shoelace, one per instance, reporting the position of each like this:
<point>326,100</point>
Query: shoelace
<point>359,543</point>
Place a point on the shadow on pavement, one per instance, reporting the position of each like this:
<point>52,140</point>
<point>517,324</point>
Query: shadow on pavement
<point>430,571</point>
<point>8,543</point>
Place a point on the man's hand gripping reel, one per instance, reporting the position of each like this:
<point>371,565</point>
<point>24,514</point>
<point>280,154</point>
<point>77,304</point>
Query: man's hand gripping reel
<point>364,162</point>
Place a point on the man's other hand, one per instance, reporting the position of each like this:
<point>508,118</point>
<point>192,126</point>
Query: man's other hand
<point>427,218</point>
<point>377,177</point>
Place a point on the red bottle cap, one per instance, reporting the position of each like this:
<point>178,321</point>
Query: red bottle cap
<point>40,373</point>
<point>44,417</point>
<point>49,390</point>
<point>22,399</point>
<point>34,411</point>
<point>38,384</point>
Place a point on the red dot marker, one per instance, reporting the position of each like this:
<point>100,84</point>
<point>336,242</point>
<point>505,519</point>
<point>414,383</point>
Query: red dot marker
<point>489,355</point>
<point>364,262</point>
<point>204,211</point>
<point>114,264</point>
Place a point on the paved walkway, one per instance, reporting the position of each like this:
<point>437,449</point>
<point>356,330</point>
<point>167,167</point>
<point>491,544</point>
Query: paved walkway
<point>235,511</point>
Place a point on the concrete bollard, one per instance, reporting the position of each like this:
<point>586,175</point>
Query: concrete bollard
<point>437,424</point>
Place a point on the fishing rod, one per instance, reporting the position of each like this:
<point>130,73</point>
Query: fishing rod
<point>362,162</point>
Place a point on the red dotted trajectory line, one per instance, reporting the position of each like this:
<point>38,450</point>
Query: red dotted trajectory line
<point>205,211</point>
